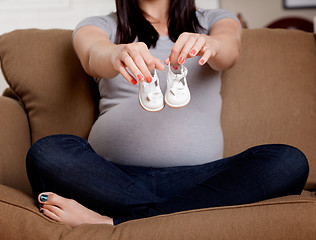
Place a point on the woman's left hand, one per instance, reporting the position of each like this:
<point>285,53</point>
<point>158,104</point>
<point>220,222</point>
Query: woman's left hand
<point>190,45</point>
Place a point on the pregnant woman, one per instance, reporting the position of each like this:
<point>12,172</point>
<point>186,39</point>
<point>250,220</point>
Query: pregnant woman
<point>165,154</point>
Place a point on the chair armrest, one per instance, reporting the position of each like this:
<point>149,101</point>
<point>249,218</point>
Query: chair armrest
<point>14,144</point>
<point>8,92</point>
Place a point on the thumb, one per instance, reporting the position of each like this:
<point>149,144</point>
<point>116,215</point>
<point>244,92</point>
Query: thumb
<point>158,64</point>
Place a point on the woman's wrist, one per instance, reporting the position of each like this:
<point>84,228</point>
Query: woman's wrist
<point>101,59</point>
<point>225,51</point>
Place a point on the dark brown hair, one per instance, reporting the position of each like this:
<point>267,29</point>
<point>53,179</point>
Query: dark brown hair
<point>132,23</point>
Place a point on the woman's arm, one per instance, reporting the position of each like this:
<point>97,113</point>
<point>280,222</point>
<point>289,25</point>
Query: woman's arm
<point>225,38</point>
<point>220,49</point>
<point>94,48</point>
<point>102,58</point>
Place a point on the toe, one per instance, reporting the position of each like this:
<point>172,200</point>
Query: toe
<point>43,197</point>
<point>50,214</point>
<point>50,198</point>
<point>53,209</point>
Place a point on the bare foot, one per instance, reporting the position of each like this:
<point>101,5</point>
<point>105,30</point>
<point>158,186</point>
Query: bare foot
<point>69,211</point>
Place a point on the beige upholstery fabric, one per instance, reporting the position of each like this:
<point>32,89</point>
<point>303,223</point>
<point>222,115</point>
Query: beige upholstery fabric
<point>14,143</point>
<point>291,217</point>
<point>268,97</point>
<point>42,69</point>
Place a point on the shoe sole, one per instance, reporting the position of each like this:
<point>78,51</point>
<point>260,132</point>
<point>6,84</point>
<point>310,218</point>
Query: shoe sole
<point>150,110</point>
<point>177,106</point>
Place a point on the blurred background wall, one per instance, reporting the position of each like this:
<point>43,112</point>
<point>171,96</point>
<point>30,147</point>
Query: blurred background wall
<point>259,13</point>
<point>45,14</point>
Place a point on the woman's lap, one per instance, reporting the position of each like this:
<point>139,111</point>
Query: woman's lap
<point>67,165</point>
<point>254,175</point>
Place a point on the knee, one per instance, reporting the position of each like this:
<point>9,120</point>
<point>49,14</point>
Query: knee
<point>296,163</point>
<point>295,157</point>
<point>286,162</point>
<point>46,150</point>
<point>40,151</point>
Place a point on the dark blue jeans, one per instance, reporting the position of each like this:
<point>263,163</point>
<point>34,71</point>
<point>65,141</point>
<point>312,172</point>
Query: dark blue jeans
<point>68,166</point>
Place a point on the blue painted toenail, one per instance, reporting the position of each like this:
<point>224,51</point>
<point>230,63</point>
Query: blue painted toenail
<point>44,198</point>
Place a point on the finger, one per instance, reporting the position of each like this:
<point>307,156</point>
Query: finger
<point>143,61</point>
<point>129,59</point>
<point>167,61</point>
<point>121,68</point>
<point>197,48</point>
<point>126,74</point>
<point>205,57</point>
<point>158,64</point>
<point>148,59</point>
<point>177,48</point>
<point>188,45</point>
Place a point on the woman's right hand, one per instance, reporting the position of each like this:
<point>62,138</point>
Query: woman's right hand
<point>137,58</point>
<point>95,51</point>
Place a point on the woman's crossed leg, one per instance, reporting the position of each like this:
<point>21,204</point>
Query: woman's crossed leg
<point>68,166</point>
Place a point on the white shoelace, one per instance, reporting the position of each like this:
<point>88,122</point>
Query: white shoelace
<point>176,85</point>
<point>152,89</point>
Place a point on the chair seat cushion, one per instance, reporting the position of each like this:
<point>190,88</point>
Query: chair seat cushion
<point>290,217</point>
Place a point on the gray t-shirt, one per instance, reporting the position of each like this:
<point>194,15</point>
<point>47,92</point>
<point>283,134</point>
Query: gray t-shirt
<point>125,133</point>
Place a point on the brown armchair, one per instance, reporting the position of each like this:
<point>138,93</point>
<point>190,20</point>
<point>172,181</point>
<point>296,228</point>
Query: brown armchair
<point>268,97</point>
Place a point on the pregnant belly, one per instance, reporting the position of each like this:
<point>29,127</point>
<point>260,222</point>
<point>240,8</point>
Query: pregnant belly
<point>128,135</point>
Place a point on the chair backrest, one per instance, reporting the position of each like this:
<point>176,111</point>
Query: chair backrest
<point>269,96</point>
<point>42,69</point>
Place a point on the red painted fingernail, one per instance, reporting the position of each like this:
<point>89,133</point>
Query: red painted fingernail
<point>181,60</point>
<point>202,61</point>
<point>149,79</point>
<point>193,52</point>
<point>140,77</point>
<point>134,82</point>
<point>175,68</point>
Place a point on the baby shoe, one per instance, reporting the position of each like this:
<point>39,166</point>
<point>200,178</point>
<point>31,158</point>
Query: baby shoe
<point>177,93</point>
<point>150,95</point>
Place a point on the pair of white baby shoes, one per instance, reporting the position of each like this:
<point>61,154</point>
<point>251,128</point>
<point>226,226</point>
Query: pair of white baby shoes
<point>177,93</point>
